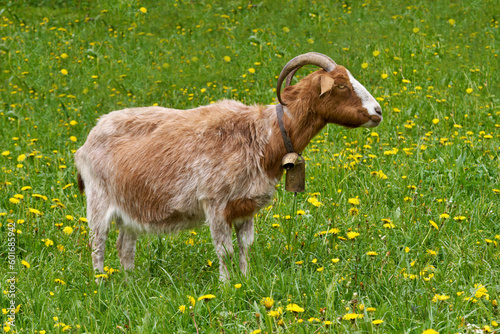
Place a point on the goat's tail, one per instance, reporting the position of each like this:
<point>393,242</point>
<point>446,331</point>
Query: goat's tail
<point>81,185</point>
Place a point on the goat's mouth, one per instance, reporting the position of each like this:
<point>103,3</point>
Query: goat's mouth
<point>373,121</point>
<point>376,118</point>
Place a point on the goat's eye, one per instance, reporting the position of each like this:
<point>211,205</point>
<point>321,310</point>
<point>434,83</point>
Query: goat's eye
<point>341,86</point>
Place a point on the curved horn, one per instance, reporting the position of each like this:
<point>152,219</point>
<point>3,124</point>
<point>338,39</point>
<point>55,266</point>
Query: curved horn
<point>289,77</point>
<point>310,58</point>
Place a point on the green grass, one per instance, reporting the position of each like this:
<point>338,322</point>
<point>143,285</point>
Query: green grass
<point>433,65</point>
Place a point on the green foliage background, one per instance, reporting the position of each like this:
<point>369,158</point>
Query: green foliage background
<point>433,65</point>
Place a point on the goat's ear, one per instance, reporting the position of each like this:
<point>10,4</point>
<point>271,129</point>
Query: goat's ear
<point>326,83</point>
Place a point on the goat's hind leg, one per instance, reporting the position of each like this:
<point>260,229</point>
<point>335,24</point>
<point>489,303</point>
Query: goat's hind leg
<point>244,231</point>
<point>99,221</point>
<point>125,245</point>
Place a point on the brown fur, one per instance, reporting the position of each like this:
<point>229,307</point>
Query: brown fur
<point>240,208</point>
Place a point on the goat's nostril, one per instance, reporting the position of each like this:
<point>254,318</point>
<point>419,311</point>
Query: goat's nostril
<point>378,110</point>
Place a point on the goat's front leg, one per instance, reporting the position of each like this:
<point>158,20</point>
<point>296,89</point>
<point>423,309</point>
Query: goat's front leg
<point>221,236</point>
<point>244,230</point>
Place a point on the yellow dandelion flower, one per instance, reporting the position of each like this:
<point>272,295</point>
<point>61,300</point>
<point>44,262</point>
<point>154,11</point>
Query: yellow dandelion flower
<point>294,308</point>
<point>376,53</point>
<point>73,139</point>
<point>371,253</point>
<point>469,90</point>
<point>251,70</point>
<point>377,322</point>
<point>364,65</point>
<point>444,215</point>
<point>68,230</point>
<point>317,204</point>
<point>434,224</point>
<point>5,153</point>
<point>350,316</point>
<point>286,29</point>
<point>415,30</point>
<point>237,286</point>
<point>143,10</point>
<point>206,297</point>
<point>352,235</point>
<point>451,22</point>
<point>354,201</point>
<point>275,313</point>
<point>312,200</point>
<point>39,196</point>
<point>384,75</point>
<point>435,121</point>
<point>335,260</point>
<point>437,298</point>
<point>227,59</point>
<point>430,331</point>
<point>481,291</point>
<point>268,302</point>
<point>182,308</point>
<point>25,263</point>
<point>35,211</point>
<point>64,71</point>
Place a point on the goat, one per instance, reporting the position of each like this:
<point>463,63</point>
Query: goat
<point>158,170</point>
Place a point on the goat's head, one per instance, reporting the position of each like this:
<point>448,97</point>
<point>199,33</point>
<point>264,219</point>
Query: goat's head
<point>332,92</point>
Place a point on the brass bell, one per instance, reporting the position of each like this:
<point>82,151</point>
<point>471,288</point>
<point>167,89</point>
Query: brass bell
<point>289,160</point>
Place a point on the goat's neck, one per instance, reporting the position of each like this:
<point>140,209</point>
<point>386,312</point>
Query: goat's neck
<point>301,125</point>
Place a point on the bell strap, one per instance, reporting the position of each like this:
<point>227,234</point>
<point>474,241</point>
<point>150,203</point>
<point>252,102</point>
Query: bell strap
<point>284,134</point>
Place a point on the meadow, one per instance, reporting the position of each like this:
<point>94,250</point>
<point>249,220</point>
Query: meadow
<point>398,230</point>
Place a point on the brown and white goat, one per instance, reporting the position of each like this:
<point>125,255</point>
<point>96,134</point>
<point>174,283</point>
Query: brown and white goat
<point>158,170</point>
